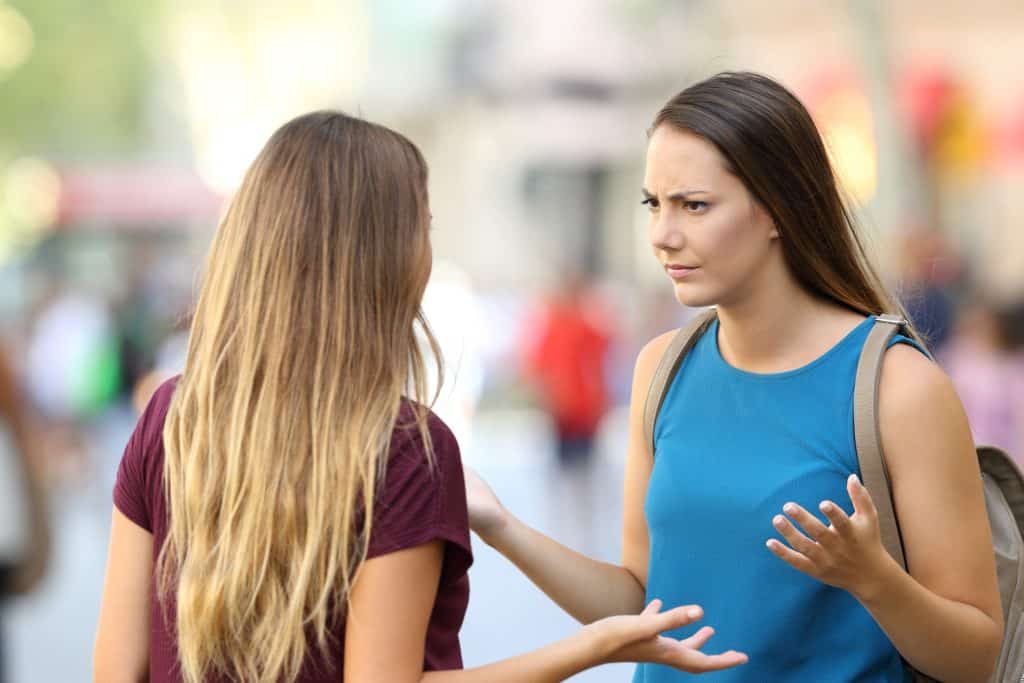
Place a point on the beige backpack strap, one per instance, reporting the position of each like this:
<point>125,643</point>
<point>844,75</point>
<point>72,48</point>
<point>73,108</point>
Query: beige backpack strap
<point>874,472</point>
<point>681,344</point>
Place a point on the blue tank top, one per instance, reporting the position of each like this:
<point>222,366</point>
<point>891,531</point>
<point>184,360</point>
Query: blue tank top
<point>732,448</point>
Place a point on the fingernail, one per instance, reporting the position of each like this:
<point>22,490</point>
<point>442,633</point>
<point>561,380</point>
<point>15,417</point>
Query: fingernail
<point>855,479</point>
<point>693,613</point>
<point>789,508</point>
<point>779,520</point>
<point>826,506</point>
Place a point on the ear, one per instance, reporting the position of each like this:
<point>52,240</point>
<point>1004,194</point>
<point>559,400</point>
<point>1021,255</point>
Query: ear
<point>764,219</point>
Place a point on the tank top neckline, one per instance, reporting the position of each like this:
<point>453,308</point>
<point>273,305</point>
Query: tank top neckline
<point>719,359</point>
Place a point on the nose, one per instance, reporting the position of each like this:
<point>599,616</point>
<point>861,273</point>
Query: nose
<point>666,234</point>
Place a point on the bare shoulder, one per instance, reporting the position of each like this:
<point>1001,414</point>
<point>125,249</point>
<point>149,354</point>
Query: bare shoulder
<point>643,374</point>
<point>647,363</point>
<point>912,383</point>
<point>918,406</point>
<point>650,355</point>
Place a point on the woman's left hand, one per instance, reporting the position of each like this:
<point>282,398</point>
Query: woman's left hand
<point>847,554</point>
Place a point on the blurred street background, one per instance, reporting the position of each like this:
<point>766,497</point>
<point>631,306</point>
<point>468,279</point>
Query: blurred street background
<point>125,125</point>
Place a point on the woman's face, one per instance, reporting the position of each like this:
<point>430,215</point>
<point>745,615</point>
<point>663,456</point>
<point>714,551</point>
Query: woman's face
<point>713,239</point>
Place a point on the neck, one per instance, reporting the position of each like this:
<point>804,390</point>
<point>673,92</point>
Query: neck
<point>774,324</point>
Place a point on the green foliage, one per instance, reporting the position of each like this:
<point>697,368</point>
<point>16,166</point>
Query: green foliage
<point>82,92</point>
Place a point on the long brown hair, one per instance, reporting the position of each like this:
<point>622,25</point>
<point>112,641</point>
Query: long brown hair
<point>771,144</point>
<point>301,349</point>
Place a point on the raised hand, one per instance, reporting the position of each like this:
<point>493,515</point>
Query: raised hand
<point>638,638</point>
<point>846,554</point>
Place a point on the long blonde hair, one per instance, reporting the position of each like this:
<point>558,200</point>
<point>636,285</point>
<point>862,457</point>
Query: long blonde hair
<point>301,349</point>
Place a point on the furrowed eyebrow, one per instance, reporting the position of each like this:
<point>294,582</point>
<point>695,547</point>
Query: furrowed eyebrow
<point>685,194</point>
<point>675,194</point>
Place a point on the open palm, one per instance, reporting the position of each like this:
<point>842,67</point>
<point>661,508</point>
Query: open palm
<point>637,638</point>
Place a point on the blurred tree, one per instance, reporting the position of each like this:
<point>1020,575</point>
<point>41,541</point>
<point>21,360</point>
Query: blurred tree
<point>81,90</point>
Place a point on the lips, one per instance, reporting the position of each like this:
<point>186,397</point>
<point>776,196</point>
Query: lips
<point>677,271</point>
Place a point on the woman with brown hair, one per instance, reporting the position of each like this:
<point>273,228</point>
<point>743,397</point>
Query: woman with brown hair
<point>283,512</point>
<point>756,429</point>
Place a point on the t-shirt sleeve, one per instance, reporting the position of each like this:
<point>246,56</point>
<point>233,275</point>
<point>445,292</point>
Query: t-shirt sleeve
<point>132,485</point>
<point>421,502</point>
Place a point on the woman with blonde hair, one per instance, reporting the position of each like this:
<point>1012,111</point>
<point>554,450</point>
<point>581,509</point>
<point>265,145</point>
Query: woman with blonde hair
<point>283,511</point>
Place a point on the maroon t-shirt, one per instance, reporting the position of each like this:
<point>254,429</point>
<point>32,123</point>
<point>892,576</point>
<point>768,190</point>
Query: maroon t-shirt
<point>418,504</point>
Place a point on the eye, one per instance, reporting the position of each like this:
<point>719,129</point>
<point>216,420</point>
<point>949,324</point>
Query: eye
<point>695,206</point>
<point>651,202</point>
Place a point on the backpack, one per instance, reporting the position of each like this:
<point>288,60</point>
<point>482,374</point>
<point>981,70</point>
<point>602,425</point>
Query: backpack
<point>1001,477</point>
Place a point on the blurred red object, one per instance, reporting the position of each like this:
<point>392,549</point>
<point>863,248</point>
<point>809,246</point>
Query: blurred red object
<point>925,94</point>
<point>134,197</point>
<point>1009,136</point>
<point>567,360</point>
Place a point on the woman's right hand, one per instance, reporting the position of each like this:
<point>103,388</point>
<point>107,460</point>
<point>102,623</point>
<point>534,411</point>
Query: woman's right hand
<point>637,638</point>
<point>487,516</point>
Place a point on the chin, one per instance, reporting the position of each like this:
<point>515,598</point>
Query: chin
<point>694,297</point>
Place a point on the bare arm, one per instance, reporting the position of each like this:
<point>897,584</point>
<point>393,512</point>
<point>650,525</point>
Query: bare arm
<point>945,617</point>
<point>387,622</point>
<point>390,608</point>
<point>121,651</point>
<point>585,588</point>
<point>33,566</point>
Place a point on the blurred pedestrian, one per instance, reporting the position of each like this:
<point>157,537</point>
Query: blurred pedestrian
<point>566,361</point>
<point>72,374</point>
<point>283,511</point>
<point>755,434</point>
<point>24,525</point>
<point>985,360</point>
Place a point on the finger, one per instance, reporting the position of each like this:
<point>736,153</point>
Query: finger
<point>699,639</point>
<point>728,660</point>
<point>836,515</point>
<point>791,557</point>
<point>862,502</point>
<point>649,623</point>
<point>678,616</point>
<point>811,525</point>
<point>653,607</point>
<point>698,662</point>
<point>796,539</point>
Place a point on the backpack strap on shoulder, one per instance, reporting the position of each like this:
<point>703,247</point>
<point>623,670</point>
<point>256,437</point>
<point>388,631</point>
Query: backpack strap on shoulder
<point>874,472</point>
<point>681,344</point>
